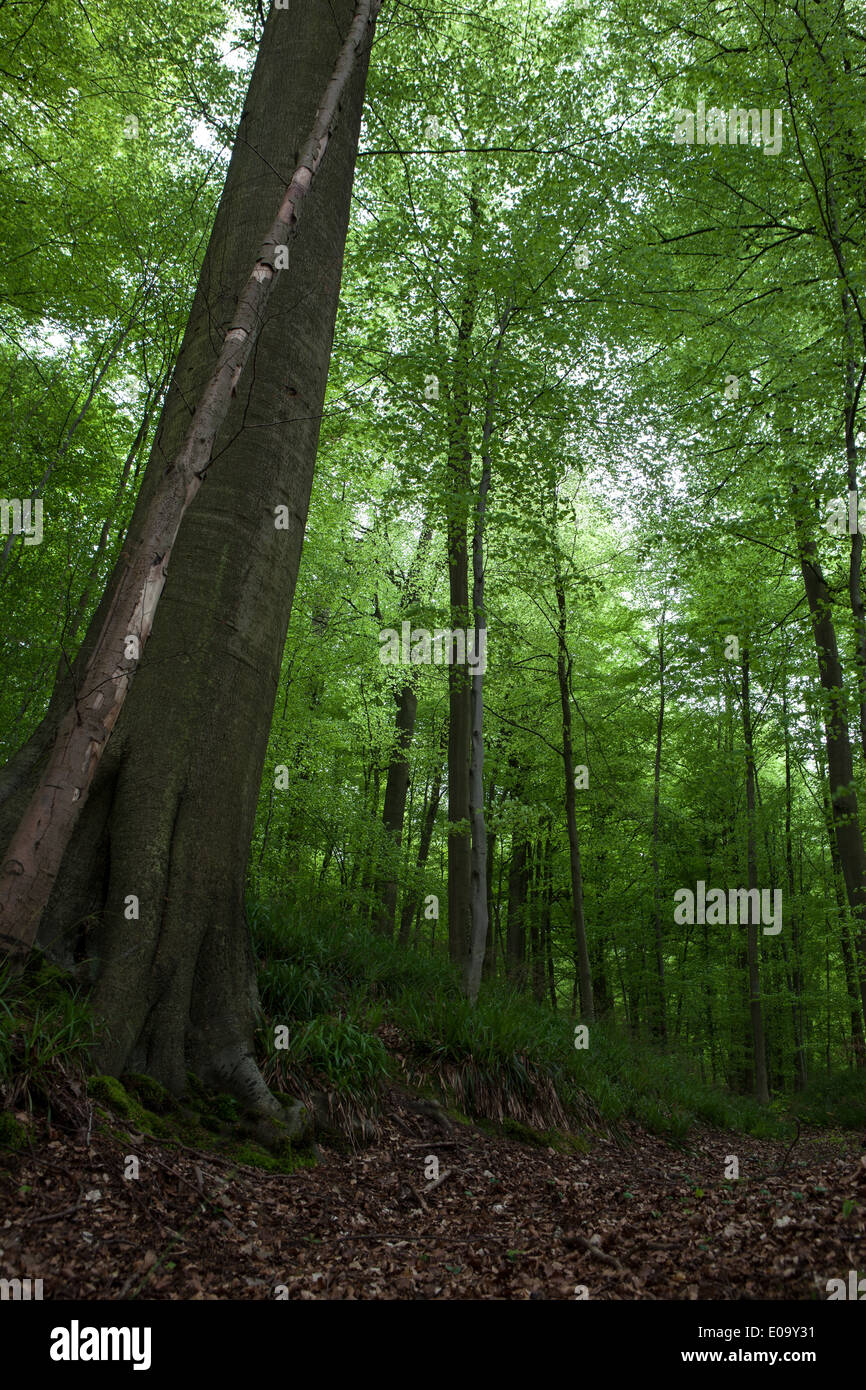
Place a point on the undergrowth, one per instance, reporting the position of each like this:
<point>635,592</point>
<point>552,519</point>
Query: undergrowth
<point>358,1012</point>
<point>343,992</point>
<point>46,1034</point>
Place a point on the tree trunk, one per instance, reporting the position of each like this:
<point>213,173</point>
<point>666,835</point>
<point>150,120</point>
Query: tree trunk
<point>397,783</point>
<point>563,670</point>
<point>412,902</point>
<point>756,1016</point>
<point>518,878</point>
<point>858,1041</point>
<point>660,1020</point>
<point>840,765</point>
<point>459,688</point>
<point>480,912</point>
<point>800,1073</point>
<point>169,817</point>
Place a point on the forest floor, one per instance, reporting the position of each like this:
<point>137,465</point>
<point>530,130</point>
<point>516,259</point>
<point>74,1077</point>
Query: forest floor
<point>632,1218</point>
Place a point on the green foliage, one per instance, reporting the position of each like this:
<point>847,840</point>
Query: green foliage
<point>837,1101</point>
<point>617,461</point>
<point>46,1033</point>
<point>507,1059</point>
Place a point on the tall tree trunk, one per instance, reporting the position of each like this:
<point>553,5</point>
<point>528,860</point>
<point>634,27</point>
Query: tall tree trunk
<point>800,1074</point>
<point>412,903</point>
<point>480,910</point>
<point>515,940</point>
<point>540,915</point>
<point>563,670</point>
<point>756,1015</point>
<point>459,687</point>
<point>660,1020</point>
<point>397,783</point>
<point>840,765</point>
<point>165,832</point>
<point>858,1040</point>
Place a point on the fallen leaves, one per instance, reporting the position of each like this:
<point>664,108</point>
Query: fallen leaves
<point>627,1221</point>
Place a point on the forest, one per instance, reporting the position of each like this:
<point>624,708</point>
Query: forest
<point>433,650</point>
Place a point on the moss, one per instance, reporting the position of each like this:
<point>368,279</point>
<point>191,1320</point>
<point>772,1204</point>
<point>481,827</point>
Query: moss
<point>287,1159</point>
<point>13,1135</point>
<point>150,1093</point>
<point>562,1141</point>
<point>225,1108</point>
<point>125,1106</point>
<point>205,1122</point>
<point>197,1093</point>
<point>112,1092</point>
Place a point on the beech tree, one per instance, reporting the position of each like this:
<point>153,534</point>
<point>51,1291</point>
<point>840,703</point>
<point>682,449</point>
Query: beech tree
<point>110,835</point>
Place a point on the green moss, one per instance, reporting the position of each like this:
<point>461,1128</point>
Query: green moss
<point>112,1092</point>
<point>127,1107</point>
<point>287,1159</point>
<point>13,1135</point>
<point>197,1093</point>
<point>150,1093</point>
<point>225,1108</point>
<point>562,1141</point>
<point>209,1122</point>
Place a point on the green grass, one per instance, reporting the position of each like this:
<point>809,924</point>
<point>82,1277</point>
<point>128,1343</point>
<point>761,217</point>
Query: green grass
<point>46,1033</point>
<point>507,1059</point>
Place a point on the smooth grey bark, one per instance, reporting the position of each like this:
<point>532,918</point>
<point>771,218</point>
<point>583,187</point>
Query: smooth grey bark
<point>171,811</point>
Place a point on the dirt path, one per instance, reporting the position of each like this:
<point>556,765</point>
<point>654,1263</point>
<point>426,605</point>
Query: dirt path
<point>507,1220</point>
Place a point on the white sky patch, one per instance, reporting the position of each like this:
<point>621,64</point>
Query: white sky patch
<point>203,137</point>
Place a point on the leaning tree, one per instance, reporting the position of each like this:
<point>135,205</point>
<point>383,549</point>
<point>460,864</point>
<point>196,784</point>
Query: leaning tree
<point>127,816</point>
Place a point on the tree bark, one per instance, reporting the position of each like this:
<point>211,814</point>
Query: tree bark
<point>480,910</point>
<point>412,903</point>
<point>171,809</point>
<point>563,670</point>
<point>459,687</point>
<point>840,763</point>
<point>397,782</point>
<point>660,1020</point>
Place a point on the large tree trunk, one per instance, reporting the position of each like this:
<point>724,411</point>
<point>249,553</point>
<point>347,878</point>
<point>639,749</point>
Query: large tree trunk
<point>858,1041</point>
<point>170,814</point>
